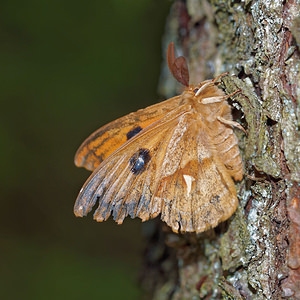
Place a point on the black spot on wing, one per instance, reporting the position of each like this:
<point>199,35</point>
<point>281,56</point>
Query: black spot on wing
<point>139,160</point>
<point>133,132</point>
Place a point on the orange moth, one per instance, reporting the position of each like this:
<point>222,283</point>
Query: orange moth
<point>176,159</point>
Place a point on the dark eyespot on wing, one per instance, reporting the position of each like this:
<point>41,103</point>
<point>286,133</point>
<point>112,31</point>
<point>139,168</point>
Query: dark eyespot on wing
<point>133,132</point>
<point>139,160</point>
<point>196,90</point>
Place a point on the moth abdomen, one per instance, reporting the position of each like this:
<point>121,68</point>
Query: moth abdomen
<point>229,153</point>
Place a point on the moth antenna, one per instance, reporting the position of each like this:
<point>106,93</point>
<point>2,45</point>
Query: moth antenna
<point>178,66</point>
<point>171,56</point>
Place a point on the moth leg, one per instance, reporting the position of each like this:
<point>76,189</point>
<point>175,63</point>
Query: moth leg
<point>213,99</point>
<point>218,98</point>
<point>210,82</point>
<point>204,86</point>
<point>254,178</point>
<point>220,76</point>
<point>231,123</point>
<point>230,95</point>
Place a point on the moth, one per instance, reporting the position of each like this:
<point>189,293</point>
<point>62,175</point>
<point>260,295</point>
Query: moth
<point>176,159</point>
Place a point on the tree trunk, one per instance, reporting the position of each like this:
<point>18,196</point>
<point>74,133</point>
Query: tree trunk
<point>256,254</point>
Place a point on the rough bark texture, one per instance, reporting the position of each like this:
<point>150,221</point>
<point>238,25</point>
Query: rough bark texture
<point>256,254</point>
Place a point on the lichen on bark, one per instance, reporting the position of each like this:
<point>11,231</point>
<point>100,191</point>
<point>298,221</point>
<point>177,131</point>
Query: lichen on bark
<point>255,255</point>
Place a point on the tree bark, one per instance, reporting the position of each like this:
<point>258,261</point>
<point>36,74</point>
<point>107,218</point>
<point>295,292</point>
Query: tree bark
<point>256,254</point>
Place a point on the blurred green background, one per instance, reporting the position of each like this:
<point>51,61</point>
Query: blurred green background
<point>68,67</point>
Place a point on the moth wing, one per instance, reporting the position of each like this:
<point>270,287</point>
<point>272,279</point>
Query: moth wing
<point>100,144</point>
<point>199,193</point>
<point>115,184</point>
<point>184,179</point>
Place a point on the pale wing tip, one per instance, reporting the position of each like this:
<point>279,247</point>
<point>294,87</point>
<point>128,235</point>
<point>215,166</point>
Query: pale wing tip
<point>79,211</point>
<point>82,207</point>
<point>79,207</point>
<point>82,162</point>
<point>77,162</point>
<point>99,219</point>
<point>78,156</point>
<point>79,159</point>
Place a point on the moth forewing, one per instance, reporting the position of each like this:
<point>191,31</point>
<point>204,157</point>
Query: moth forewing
<point>110,137</point>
